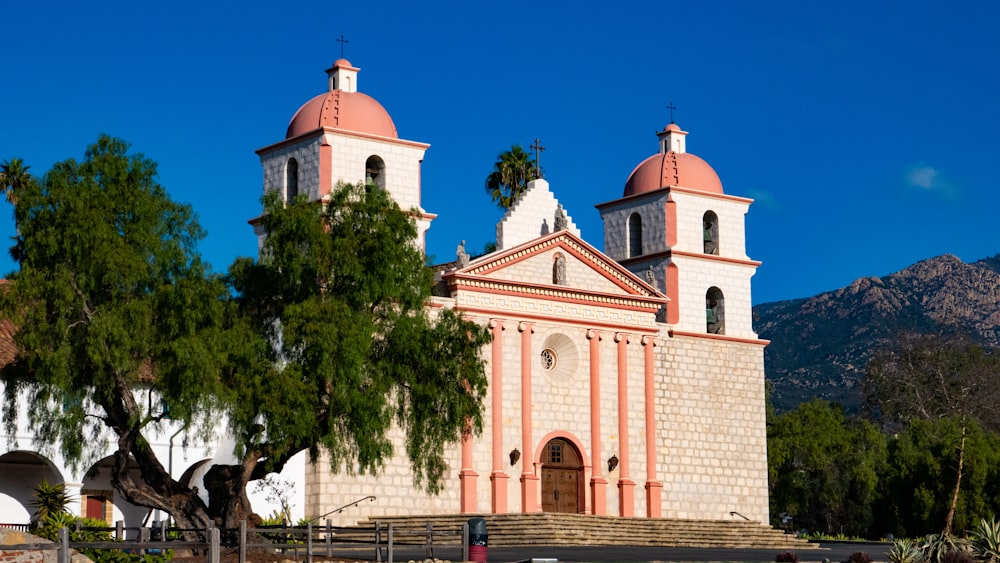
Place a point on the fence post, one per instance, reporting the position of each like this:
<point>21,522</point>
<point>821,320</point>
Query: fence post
<point>465,541</point>
<point>390,558</point>
<point>64,545</point>
<point>378,541</point>
<point>309,542</point>
<point>119,530</point>
<point>329,538</point>
<point>143,538</point>
<point>429,545</point>
<point>214,547</point>
<point>243,541</point>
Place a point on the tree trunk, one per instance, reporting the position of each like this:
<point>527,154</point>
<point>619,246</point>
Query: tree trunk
<point>958,485</point>
<point>228,503</point>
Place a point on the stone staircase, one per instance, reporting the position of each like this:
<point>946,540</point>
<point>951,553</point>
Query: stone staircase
<point>548,528</point>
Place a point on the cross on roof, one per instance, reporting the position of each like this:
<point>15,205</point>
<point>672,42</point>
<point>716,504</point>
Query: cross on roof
<point>342,41</point>
<point>537,147</point>
<point>671,107</point>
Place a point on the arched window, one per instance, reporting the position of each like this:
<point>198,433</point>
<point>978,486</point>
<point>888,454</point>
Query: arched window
<point>634,235</point>
<point>715,311</point>
<point>710,222</point>
<point>291,179</point>
<point>375,172</point>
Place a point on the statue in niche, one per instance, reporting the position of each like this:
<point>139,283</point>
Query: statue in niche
<point>561,222</point>
<point>463,256</point>
<point>559,270</point>
<point>650,277</point>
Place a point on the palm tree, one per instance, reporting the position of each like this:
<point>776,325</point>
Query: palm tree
<point>13,176</point>
<point>511,174</point>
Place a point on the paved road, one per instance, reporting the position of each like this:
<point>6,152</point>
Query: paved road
<point>833,551</point>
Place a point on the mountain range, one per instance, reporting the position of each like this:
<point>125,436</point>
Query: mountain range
<point>821,345</point>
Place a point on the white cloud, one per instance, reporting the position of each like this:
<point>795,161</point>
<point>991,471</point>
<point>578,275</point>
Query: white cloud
<point>923,177</point>
<point>930,179</point>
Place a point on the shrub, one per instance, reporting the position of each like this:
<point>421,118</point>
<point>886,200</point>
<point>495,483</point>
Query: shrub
<point>859,557</point>
<point>985,540</point>
<point>936,546</point>
<point>787,557</point>
<point>905,551</point>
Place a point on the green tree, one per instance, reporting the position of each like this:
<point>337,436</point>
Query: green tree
<point>113,309</point>
<point>935,377</point>
<point>323,344</point>
<point>510,176</point>
<point>918,482</point>
<point>823,468</point>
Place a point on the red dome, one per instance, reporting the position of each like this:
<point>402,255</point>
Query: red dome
<point>351,111</point>
<point>672,169</point>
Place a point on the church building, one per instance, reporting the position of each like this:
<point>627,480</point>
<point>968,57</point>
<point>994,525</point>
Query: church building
<point>625,382</point>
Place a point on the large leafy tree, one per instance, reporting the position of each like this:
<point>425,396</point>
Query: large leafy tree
<point>115,313</point>
<point>510,176</point>
<point>323,344</point>
<point>932,378</point>
<point>823,468</point>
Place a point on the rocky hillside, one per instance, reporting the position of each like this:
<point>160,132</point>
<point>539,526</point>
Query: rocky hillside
<point>820,345</point>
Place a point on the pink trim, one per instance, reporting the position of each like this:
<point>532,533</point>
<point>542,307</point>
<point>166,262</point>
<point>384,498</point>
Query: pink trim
<point>670,216</point>
<point>467,477</point>
<point>498,477</point>
<point>631,283</point>
<point>653,487</point>
<point>582,322</point>
<point>654,499</point>
<point>529,485</point>
<point>627,508</point>
<point>626,497</point>
<point>322,130</point>
<point>648,308</point>
<point>756,341</point>
<point>597,482</point>
<point>666,191</point>
<point>498,492</point>
<point>673,292</point>
<point>714,258</point>
<point>325,169</point>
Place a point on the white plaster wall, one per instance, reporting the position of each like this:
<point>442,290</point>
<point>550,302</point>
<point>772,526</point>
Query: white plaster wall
<point>696,276</point>
<point>532,215</point>
<point>691,210</point>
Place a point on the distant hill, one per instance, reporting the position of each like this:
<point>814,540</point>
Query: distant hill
<point>821,345</point>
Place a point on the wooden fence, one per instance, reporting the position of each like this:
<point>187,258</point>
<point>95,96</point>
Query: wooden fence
<point>301,543</point>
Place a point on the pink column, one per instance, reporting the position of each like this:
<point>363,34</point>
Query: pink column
<point>626,486</point>
<point>529,481</point>
<point>653,487</point>
<point>467,477</point>
<point>498,477</point>
<point>598,484</point>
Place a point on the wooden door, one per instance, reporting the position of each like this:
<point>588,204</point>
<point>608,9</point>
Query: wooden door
<point>561,470</point>
<point>95,507</point>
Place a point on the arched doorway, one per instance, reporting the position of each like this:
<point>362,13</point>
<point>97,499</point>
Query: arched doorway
<point>562,481</point>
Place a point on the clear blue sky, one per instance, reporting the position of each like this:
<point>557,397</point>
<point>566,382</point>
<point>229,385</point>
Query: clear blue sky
<point>868,132</point>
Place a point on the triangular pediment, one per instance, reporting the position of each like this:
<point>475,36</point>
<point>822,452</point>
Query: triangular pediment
<point>558,265</point>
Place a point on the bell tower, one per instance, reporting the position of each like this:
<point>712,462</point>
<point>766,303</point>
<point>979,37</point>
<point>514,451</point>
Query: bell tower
<point>676,228</point>
<point>344,135</point>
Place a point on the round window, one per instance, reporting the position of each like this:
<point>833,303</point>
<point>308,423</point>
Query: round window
<point>548,359</point>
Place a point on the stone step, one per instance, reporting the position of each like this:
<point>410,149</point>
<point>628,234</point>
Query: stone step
<point>579,529</point>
